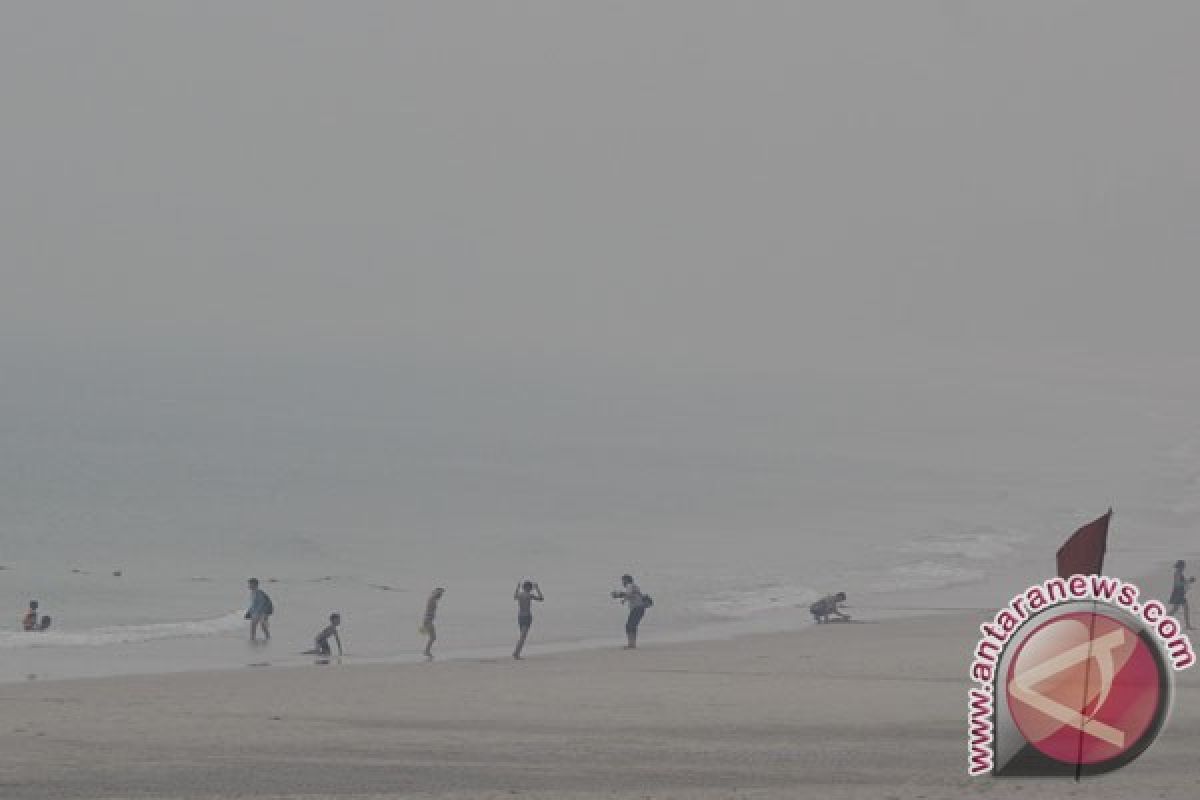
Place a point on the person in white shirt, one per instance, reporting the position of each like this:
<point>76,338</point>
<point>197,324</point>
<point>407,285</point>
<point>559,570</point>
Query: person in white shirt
<point>632,596</point>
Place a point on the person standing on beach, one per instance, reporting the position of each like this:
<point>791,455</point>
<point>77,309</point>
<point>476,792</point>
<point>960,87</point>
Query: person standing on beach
<point>260,611</point>
<point>427,626</point>
<point>632,596</point>
<point>525,594</point>
<point>1179,589</point>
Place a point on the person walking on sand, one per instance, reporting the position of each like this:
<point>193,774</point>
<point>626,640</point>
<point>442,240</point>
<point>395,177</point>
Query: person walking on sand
<point>1179,589</point>
<point>637,601</point>
<point>260,611</point>
<point>427,626</point>
<point>525,594</point>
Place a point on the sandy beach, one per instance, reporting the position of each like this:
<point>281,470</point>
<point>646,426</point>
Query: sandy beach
<point>872,710</point>
<point>756,302</point>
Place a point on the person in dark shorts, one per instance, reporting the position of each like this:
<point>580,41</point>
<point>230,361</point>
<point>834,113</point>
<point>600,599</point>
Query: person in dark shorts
<point>633,597</point>
<point>829,606</point>
<point>427,626</point>
<point>1179,589</point>
<point>525,594</point>
<point>260,611</point>
<point>322,642</point>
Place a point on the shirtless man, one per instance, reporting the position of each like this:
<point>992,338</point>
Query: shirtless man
<point>525,594</point>
<point>427,626</point>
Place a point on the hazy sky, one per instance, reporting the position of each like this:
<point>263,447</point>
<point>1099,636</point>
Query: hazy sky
<point>700,183</point>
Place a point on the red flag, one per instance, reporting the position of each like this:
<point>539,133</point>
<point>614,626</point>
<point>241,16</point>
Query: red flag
<point>1083,553</point>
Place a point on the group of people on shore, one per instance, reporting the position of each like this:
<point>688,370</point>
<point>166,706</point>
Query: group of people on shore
<point>825,610</point>
<point>526,594</point>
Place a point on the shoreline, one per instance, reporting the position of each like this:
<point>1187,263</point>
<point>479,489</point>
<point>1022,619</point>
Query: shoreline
<point>781,621</point>
<point>195,654</point>
<point>298,661</point>
<point>838,711</point>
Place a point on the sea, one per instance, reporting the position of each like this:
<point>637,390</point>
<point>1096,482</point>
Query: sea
<point>139,492</point>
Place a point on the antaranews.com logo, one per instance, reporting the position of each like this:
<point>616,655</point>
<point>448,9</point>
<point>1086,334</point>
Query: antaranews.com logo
<point>1074,677</point>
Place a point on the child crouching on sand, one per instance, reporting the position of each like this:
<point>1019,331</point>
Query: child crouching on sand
<point>331,630</point>
<point>829,606</point>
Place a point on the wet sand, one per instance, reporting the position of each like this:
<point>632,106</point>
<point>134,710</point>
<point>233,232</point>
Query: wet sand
<point>839,711</point>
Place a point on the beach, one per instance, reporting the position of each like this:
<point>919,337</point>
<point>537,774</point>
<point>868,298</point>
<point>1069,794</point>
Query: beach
<point>870,710</point>
<point>757,303</point>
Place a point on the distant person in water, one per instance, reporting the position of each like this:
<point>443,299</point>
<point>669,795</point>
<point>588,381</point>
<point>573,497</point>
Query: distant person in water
<point>829,606</point>
<point>525,594</point>
<point>322,642</point>
<point>637,601</point>
<point>427,625</point>
<point>260,611</point>
<point>30,621</point>
<point>1179,589</point>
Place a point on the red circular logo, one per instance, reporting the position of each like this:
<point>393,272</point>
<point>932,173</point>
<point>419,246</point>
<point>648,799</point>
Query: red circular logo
<point>1085,688</point>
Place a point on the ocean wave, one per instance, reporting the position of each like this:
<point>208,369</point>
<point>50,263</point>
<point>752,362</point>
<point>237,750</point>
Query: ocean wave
<point>925,575</point>
<point>123,634</point>
<point>742,603</point>
<point>979,544</point>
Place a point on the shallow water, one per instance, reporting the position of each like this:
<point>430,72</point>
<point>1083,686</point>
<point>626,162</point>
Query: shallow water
<point>736,500</point>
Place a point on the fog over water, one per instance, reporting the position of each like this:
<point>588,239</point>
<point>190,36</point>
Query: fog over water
<point>754,300</point>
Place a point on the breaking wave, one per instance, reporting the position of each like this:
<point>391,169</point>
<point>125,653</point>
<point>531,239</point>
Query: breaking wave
<point>123,634</point>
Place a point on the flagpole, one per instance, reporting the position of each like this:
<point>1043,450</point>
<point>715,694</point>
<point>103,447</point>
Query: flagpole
<point>1087,664</point>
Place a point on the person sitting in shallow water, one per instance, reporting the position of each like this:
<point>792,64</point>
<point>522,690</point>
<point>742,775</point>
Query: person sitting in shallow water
<point>829,606</point>
<point>30,621</point>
